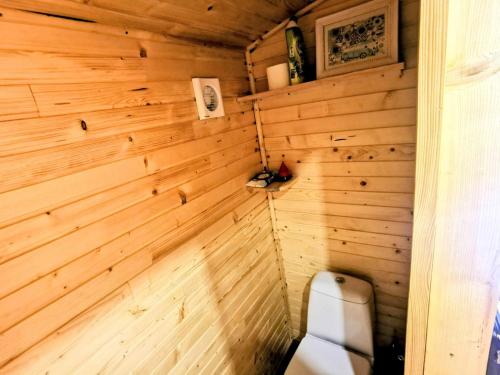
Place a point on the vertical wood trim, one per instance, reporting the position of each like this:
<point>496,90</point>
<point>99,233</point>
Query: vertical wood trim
<point>251,77</point>
<point>465,275</point>
<point>281,263</point>
<point>431,68</point>
<point>260,134</point>
<point>272,211</point>
<point>283,24</point>
<point>455,266</point>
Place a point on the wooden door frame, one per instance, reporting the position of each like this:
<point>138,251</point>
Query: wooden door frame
<point>455,65</point>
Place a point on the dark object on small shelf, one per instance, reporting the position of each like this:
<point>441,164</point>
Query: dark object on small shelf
<point>283,173</point>
<point>276,186</point>
<point>272,181</point>
<point>261,179</point>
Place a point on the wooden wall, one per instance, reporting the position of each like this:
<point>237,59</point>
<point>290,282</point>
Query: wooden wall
<point>273,50</point>
<point>105,173</point>
<point>350,140</point>
<point>225,21</point>
<point>351,143</point>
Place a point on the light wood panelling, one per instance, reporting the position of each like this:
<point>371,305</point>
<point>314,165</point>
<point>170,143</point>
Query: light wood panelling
<point>128,241</point>
<point>350,141</point>
<point>203,294</point>
<point>455,281</point>
<point>17,102</point>
<point>224,22</point>
<point>273,50</point>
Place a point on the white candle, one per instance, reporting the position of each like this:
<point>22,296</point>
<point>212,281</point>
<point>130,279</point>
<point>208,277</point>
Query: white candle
<point>278,76</point>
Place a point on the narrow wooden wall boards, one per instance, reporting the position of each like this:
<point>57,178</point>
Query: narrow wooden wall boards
<point>350,140</point>
<point>129,242</point>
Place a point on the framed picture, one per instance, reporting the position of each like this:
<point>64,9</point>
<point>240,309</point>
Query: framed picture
<point>358,38</point>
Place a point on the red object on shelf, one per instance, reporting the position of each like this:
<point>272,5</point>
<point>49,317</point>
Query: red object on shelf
<point>284,173</point>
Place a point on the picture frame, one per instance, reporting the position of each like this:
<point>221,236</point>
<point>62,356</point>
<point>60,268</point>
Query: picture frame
<point>357,38</point>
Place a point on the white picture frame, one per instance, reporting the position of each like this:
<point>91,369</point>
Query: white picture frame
<point>354,39</point>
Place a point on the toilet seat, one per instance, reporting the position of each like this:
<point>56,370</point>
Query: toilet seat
<point>315,356</point>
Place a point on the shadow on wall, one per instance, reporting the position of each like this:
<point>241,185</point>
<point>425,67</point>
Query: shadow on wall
<point>327,232</point>
<point>244,300</point>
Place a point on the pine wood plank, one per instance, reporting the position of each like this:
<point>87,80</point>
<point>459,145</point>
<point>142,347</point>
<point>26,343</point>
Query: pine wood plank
<point>454,293</point>
<point>402,200</point>
<point>200,175</point>
<point>163,272</point>
<point>397,135</point>
<point>322,243</point>
<point>244,201</point>
<point>377,169</point>
<point>222,328</point>
<point>361,103</point>
<point>363,120</point>
<point>153,143</point>
<point>387,77</point>
<point>22,37</point>
<point>22,336</point>
<point>378,239</point>
<point>79,10</point>
<point>35,264</point>
<point>340,261</point>
<point>17,102</point>
<point>21,67</point>
<point>31,32</point>
<point>130,222</point>
<point>39,198</point>
<point>73,98</point>
<point>346,210</point>
<point>190,323</point>
<point>374,184</point>
<point>391,152</point>
<point>349,223</point>
<point>134,301</point>
<point>35,134</point>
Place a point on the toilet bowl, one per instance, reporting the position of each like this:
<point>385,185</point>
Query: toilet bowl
<point>339,338</point>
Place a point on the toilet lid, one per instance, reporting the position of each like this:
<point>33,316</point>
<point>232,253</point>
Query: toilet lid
<point>315,356</point>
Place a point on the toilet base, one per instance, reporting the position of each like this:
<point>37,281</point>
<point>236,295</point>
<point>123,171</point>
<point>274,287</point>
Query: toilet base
<point>316,356</point>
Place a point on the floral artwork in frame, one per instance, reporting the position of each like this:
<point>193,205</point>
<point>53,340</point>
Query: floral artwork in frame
<point>361,37</point>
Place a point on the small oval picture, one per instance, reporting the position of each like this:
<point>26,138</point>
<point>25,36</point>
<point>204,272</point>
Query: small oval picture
<point>210,98</point>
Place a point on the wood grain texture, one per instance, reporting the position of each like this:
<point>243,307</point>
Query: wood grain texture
<point>220,276</point>
<point>454,285</point>
<point>429,113</point>
<point>225,22</point>
<point>128,241</point>
<point>350,142</point>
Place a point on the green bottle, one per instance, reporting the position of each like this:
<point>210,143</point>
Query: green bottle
<point>296,52</point>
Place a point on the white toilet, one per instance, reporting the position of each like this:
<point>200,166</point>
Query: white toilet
<point>340,319</point>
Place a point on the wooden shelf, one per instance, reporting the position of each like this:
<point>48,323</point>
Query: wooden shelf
<point>275,186</point>
<point>324,81</point>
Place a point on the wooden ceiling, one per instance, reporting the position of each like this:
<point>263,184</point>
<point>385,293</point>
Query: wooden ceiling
<point>228,22</point>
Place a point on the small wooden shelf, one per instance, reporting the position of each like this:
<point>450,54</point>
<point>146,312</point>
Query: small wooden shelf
<point>323,81</point>
<point>275,186</point>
